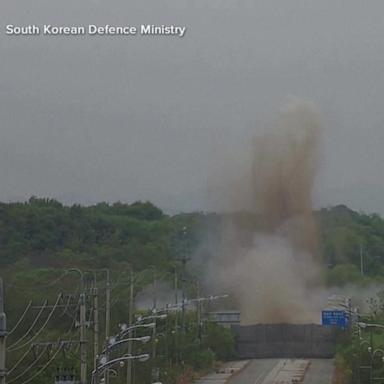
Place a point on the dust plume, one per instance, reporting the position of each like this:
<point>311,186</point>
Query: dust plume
<point>266,256</point>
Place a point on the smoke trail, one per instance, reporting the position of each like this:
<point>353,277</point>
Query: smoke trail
<point>266,257</point>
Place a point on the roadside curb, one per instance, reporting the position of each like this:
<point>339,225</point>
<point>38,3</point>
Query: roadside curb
<point>238,371</point>
<point>224,373</point>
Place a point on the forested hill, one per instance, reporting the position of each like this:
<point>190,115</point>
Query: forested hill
<point>43,233</point>
<point>47,234</point>
<point>346,237</point>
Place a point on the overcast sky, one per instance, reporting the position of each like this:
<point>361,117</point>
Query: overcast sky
<point>117,118</point>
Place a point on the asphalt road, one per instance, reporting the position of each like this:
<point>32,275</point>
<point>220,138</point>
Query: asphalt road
<point>283,371</point>
<point>320,372</point>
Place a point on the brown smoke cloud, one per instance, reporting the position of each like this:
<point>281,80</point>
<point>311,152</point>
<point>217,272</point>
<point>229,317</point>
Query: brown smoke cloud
<point>267,255</point>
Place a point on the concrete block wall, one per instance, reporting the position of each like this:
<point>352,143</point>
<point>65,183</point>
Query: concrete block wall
<point>285,340</point>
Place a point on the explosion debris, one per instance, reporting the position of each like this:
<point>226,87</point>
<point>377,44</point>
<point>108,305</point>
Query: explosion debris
<point>267,257</point>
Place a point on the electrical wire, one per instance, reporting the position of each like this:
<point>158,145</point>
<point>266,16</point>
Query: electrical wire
<point>31,327</point>
<point>10,285</point>
<point>20,360</point>
<point>41,329</point>
<point>31,347</point>
<point>74,320</point>
<point>39,357</point>
<point>20,319</point>
<point>35,361</point>
<point>44,367</point>
<point>66,306</point>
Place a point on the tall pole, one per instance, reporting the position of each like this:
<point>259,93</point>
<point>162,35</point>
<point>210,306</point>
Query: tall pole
<point>107,307</point>
<point>107,319</point>
<point>198,310</point>
<point>155,375</point>
<point>176,317</point>
<point>184,261</point>
<point>154,291</point>
<point>3,333</point>
<point>371,355</point>
<point>361,260</point>
<point>130,323</point>
<point>176,286</point>
<point>83,342</point>
<point>95,327</point>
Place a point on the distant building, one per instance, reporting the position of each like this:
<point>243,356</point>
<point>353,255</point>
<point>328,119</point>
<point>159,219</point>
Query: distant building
<point>65,376</point>
<point>225,318</point>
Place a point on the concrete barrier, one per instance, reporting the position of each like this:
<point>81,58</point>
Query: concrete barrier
<point>285,341</point>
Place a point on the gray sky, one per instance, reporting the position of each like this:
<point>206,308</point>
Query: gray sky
<point>116,118</point>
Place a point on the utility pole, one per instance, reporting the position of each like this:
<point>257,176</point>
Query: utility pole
<point>198,311</point>
<point>183,298</point>
<point>95,327</point>
<point>154,291</point>
<point>184,260</point>
<point>176,317</point>
<point>107,319</point>
<point>176,295</point>
<point>361,260</point>
<point>155,371</point>
<point>130,324</point>
<point>83,341</point>
<point>3,333</point>
<point>107,306</point>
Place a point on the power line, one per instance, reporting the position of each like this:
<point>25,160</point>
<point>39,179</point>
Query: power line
<point>74,320</point>
<point>41,329</point>
<point>61,343</point>
<point>20,319</point>
<point>35,361</point>
<point>39,287</point>
<point>31,347</point>
<point>66,306</point>
<point>44,367</point>
<point>31,327</point>
<point>20,360</point>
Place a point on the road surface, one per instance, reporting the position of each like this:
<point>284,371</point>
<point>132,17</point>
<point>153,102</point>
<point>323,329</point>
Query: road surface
<point>285,371</point>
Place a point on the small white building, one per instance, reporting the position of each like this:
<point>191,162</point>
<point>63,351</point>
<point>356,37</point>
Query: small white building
<point>225,318</point>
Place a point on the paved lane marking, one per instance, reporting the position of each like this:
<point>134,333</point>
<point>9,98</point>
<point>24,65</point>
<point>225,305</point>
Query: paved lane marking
<point>259,377</point>
<point>287,370</point>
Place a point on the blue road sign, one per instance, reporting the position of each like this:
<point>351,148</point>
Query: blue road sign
<point>336,318</point>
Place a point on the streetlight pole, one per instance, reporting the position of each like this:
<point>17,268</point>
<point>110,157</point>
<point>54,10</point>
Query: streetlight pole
<point>370,348</point>
<point>107,364</point>
<point>143,339</point>
<point>155,371</point>
<point>369,367</point>
<point>379,350</point>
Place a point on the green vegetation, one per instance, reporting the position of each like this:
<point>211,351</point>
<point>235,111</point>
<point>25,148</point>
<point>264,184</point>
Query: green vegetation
<point>345,234</point>
<point>360,353</point>
<point>41,239</point>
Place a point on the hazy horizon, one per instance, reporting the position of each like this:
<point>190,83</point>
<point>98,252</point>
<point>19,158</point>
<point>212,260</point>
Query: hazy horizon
<point>85,120</point>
